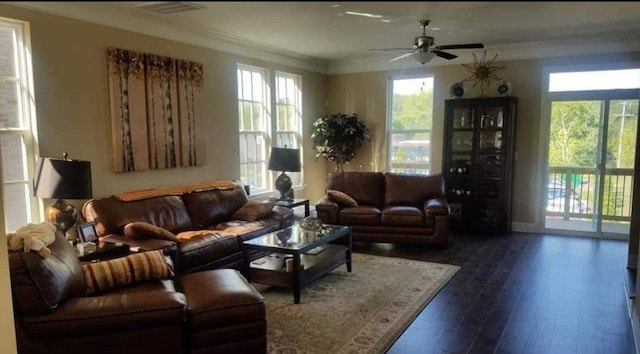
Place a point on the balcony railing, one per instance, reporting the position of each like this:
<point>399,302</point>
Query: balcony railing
<point>571,193</point>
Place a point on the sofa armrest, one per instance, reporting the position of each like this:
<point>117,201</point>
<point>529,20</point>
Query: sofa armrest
<point>436,206</point>
<point>109,313</point>
<point>327,210</point>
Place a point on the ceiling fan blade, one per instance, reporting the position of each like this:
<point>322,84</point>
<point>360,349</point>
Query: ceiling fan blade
<point>391,49</point>
<point>445,55</point>
<point>462,46</point>
<point>402,56</point>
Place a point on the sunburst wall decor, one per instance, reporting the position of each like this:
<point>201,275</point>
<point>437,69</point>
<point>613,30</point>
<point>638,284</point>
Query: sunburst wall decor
<point>482,71</point>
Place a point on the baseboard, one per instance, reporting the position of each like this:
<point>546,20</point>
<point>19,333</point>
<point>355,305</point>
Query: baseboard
<point>632,261</point>
<point>635,327</point>
<point>523,227</point>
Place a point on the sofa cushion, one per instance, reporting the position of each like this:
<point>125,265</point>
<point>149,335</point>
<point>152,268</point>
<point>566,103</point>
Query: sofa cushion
<point>39,284</point>
<point>253,210</point>
<point>111,215</point>
<point>362,215</point>
<point>212,207</point>
<point>366,188</point>
<point>124,271</point>
<point>412,190</point>
<point>403,216</point>
<point>146,230</point>
<point>342,198</point>
<point>203,246</point>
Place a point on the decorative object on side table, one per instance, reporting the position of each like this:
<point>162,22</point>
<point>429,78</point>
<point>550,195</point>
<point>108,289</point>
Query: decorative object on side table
<point>62,179</point>
<point>338,136</point>
<point>284,160</point>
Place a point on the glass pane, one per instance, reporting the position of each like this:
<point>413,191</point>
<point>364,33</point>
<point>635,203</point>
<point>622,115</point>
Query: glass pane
<point>574,133</point>
<point>621,134</point>
<point>460,164</point>
<point>461,141</point>
<point>9,107</point>
<point>256,81</point>
<point>412,104</point>
<point>490,141</point>
<point>13,158</point>
<point>245,112</point>
<point>257,117</point>
<point>243,148</point>
<point>462,118</point>
<point>246,85</point>
<point>410,147</point>
<point>17,196</point>
<point>7,52</point>
<point>491,117</point>
<point>594,80</point>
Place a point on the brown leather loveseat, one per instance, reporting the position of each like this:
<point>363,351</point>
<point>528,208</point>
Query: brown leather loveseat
<point>387,207</point>
<point>200,216</point>
<point>214,311</point>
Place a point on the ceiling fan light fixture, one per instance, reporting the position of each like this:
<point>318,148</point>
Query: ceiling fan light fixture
<point>424,57</point>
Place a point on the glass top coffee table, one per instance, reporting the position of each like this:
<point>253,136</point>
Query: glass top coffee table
<point>297,256</point>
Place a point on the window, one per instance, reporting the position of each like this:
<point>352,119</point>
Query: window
<point>409,125</point>
<point>258,125</point>
<point>17,114</point>
<point>253,102</point>
<point>289,116</point>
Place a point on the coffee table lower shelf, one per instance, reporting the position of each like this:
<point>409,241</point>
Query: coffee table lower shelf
<point>273,271</point>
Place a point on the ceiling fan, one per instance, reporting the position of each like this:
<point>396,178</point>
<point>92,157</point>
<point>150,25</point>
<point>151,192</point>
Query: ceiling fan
<point>424,48</point>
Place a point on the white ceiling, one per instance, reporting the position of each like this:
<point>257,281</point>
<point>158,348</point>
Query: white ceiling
<point>322,37</point>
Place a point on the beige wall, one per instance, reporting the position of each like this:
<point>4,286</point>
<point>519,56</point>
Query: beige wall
<point>72,103</point>
<point>366,94</point>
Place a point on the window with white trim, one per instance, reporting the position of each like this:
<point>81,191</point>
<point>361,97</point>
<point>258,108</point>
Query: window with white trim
<point>254,120</point>
<point>257,125</point>
<point>17,117</point>
<point>289,117</point>
<point>409,123</point>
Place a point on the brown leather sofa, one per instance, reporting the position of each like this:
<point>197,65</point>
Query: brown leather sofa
<point>210,238</point>
<point>214,311</point>
<point>390,207</point>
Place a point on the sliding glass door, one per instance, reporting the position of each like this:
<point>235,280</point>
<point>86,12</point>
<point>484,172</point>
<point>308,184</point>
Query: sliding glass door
<point>591,154</point>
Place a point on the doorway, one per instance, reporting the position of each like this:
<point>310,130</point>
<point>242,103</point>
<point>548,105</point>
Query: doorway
<point>591,152</point>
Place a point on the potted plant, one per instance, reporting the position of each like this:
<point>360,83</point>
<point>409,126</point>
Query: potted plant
<point>338,136</point>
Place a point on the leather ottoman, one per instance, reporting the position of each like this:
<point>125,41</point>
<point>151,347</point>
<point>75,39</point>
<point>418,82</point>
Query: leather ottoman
<point>225,314</point>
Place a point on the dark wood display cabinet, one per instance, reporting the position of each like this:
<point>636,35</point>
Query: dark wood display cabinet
<point>479,151</point>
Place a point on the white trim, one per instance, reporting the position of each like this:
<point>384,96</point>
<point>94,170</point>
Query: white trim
<point>159,26</point>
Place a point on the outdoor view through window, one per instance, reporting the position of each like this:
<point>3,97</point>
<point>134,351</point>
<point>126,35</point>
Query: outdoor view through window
<point>591,151</point>
<point>410,120</point>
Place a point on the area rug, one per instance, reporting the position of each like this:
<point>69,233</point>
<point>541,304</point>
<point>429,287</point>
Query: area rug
<point>359,312</point>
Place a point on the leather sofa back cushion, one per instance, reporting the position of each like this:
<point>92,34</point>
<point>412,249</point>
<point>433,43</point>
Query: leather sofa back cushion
<point>125,271</point>
<point>412,190</point>
<point>112,215</point>
<point>366,188</point>
<point>209,208</point>
<point>40,284</point>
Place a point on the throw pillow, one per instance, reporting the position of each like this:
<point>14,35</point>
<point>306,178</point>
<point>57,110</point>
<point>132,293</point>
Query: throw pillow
<point>121,272</point>
<point>342,198</point>
<point>141,229</point>
<point>253,210</point>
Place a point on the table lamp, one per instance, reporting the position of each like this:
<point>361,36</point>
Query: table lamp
<point>284,160</point>
<point>62,179</point>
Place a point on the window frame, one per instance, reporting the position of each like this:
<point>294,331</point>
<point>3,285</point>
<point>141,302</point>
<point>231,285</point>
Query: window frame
<point>27,127</point>
<point>422,168</point>
<point>271,132</point>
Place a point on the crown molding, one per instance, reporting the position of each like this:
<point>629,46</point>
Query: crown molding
<point>159,26</point>
<point>516,51</point>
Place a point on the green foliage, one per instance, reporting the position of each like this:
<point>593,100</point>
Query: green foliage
<point>574,133</point>
<point>413,111</point>
<point>338,136</point>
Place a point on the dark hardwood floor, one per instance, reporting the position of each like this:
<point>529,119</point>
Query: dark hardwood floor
<point>523,293</point>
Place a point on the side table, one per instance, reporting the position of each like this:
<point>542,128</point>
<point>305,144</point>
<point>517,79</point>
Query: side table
<point>295,203</point>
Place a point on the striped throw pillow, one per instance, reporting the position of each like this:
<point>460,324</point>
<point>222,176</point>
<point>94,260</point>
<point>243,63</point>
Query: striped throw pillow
<point>132,269</point>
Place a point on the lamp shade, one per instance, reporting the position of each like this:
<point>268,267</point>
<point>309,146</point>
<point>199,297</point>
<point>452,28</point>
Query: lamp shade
<point>62,179</point>
<point>283,159</point>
